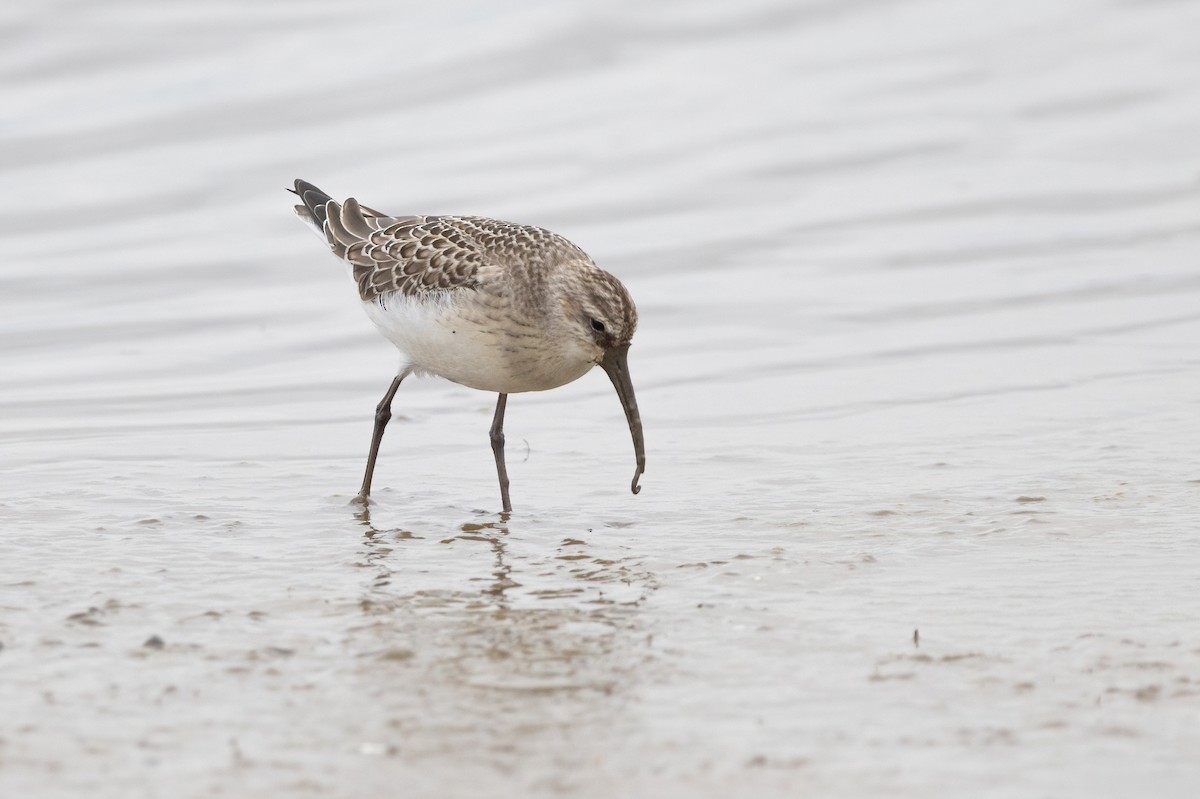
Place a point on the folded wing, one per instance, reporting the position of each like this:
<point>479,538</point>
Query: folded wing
<point>409,254</point>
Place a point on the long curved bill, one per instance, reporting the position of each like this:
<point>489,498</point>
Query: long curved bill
<point>616,363</point>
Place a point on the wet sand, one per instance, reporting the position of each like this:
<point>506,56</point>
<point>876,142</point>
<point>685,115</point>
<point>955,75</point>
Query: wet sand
<point>919,298</point>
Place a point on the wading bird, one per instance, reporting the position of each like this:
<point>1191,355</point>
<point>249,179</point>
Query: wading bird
<point>487,304</point>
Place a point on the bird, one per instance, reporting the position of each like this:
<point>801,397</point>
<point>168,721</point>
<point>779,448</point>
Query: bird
<point>495,306</point>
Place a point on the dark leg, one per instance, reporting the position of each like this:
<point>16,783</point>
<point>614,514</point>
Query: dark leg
<point>383,412</point>
<point>498,450</point>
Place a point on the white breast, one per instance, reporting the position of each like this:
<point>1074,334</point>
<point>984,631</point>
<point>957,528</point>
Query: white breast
<point>476,345</point>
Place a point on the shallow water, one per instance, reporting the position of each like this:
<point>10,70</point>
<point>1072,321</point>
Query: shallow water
<point>919,304</point>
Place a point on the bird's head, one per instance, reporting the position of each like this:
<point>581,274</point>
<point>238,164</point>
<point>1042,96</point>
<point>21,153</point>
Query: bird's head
<point>602,319</point>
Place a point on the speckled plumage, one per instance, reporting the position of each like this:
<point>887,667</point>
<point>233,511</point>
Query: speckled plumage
<point>492,305</point>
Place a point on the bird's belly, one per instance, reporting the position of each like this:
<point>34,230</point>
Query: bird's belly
<point>475,347</point>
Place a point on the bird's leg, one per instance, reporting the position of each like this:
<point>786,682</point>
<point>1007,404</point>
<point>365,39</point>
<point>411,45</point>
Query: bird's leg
<point>383,413</point>
<point>497,434</point>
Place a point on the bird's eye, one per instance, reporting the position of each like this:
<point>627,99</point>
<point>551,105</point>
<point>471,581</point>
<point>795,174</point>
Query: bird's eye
<point>597,325</point>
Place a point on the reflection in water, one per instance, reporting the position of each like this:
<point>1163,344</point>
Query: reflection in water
<point>499,641</point>
<point>507,614</point>
<point>490,533</point>
<point>493,535</point>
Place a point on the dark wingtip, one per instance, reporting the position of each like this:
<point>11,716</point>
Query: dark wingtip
<point>313,198</point>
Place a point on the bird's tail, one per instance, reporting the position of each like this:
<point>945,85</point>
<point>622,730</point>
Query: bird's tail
<point>340,225</point>
<point>314,211</point>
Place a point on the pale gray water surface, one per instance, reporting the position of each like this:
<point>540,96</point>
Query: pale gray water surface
<point>920,307</point>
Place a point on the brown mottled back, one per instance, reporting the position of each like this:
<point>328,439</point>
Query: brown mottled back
<point>419,254</point>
